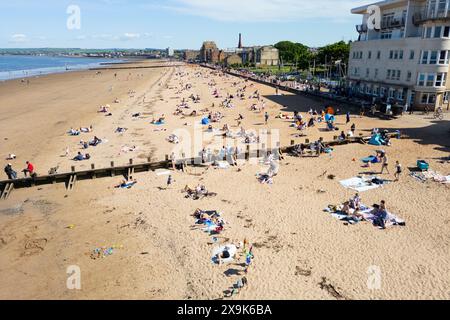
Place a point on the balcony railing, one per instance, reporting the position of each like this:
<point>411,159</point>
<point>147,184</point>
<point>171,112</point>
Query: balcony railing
<point>424,16</point>
<point>392,24</point>
<point>361,28</point>
<point>386,24</point>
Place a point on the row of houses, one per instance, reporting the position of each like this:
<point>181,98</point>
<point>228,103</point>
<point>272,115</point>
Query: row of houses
<point>255,55</point>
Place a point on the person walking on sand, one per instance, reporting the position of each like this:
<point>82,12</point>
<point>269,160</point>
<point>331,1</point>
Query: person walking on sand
<point>266,117</point>
<point>348,117</point>
<point>384,163</point>
<point>398,171</point>
<point>174,161</point>
<point>169,181</point>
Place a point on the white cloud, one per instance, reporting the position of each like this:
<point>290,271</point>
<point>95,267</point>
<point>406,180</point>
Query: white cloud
<point>130,36</point>
<point>266,10</point>
<point>18,38</point>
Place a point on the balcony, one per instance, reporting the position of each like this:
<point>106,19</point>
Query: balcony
<point>424,16</point>
<point>393,24</point>
<point>385,25</point>
<point>361,28</point>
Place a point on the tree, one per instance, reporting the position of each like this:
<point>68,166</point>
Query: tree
<point>334,52</point>
<point>294,53</point>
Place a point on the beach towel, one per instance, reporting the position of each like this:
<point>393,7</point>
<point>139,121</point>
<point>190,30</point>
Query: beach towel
<point>391,219</point>
<point>162,172</point>
<point>363,184</point>
<point>371,159</point>
<point>205,121</point>
<point>232,250</point>
<point>159,123</point>
<point>376,140</point>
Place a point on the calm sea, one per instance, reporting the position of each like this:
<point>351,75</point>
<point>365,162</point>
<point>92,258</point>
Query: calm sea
<point>14,67</point>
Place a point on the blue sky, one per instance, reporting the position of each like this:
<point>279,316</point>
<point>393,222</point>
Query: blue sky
<point>175,23</point>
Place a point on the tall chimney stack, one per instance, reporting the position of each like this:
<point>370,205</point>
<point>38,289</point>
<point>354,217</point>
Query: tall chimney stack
<point>240,41</point>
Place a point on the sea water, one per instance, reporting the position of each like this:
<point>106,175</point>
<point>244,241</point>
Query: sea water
<point>16,66</point>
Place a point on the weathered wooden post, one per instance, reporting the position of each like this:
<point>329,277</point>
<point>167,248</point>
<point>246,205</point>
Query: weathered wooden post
<point>113,173</point>
<point>93,176</point>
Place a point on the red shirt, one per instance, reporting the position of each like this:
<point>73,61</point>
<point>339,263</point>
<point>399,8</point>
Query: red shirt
<point>30,168</point>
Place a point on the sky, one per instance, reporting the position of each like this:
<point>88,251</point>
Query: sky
<point>179,24</point>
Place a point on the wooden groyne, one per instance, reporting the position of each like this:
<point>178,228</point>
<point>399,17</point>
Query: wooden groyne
<point>127,171</point>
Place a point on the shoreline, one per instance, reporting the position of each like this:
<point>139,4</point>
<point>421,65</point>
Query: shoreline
<point>39,72</point>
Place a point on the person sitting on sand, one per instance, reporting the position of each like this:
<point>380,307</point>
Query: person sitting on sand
<point>29,169</point>
<point>95,142</point>
<point>74,132</point>
<point>103,109</point>
<point>10,172</point>
<point>355,202</point>
<point>342,136</point>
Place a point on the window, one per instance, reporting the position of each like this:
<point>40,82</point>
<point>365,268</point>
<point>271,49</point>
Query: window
<point>433,57</point>
<point>400,94</point>
<point>437,32</point>
<point>386,35</point>
<point>378,55</point>
<point>376,91</point>
<point>409,76</point>
<point>398,74</point>
<point>428,98</point>
<point>376,73</point>
<point>369,55</point>
<point>445,97</point>
<point>395,55</point>
<point>421,80</point>
<point>424,57</point>
<point>440,79</point>
<point>388,74</point>
<point>382,91</point>
<point>367,72</point>
<point>411,55</point>
<point>430,80</point>
<point>400,55</point>
<point>391,54</point>
<point>428,32</point>
<point>443,57</point>
<point>391,93</point>
<point>446,32</point>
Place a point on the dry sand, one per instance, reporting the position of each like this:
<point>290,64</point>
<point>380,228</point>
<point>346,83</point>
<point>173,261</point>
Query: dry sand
<point>300,251</point>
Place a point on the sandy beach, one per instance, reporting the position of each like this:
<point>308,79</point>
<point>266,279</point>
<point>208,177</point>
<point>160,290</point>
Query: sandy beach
<point>300,251</point>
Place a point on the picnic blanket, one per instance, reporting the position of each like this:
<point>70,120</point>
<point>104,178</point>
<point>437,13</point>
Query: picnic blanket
<point>362,184</point>
<point>430,175</point>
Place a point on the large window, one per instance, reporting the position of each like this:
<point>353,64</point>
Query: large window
<point>432,79</point>
<point>428,98</point>
<point>386,35</point>
<point>435,57</point>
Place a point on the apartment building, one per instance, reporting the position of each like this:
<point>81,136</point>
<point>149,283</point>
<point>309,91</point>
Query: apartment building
<point>406,59</point>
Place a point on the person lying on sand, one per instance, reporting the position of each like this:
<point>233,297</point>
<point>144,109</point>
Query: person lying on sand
<point>81,157</point>
<point>126,184</point>
<point>86,130</point>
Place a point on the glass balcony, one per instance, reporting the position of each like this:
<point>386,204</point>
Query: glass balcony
<point>429,15</point>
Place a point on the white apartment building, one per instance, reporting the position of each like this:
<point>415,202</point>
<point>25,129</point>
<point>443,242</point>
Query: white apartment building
<point>407,59</point>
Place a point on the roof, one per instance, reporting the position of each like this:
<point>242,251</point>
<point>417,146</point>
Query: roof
<point>382,4</point>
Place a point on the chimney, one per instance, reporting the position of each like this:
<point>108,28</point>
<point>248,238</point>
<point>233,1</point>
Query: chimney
<point>240,41</point>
